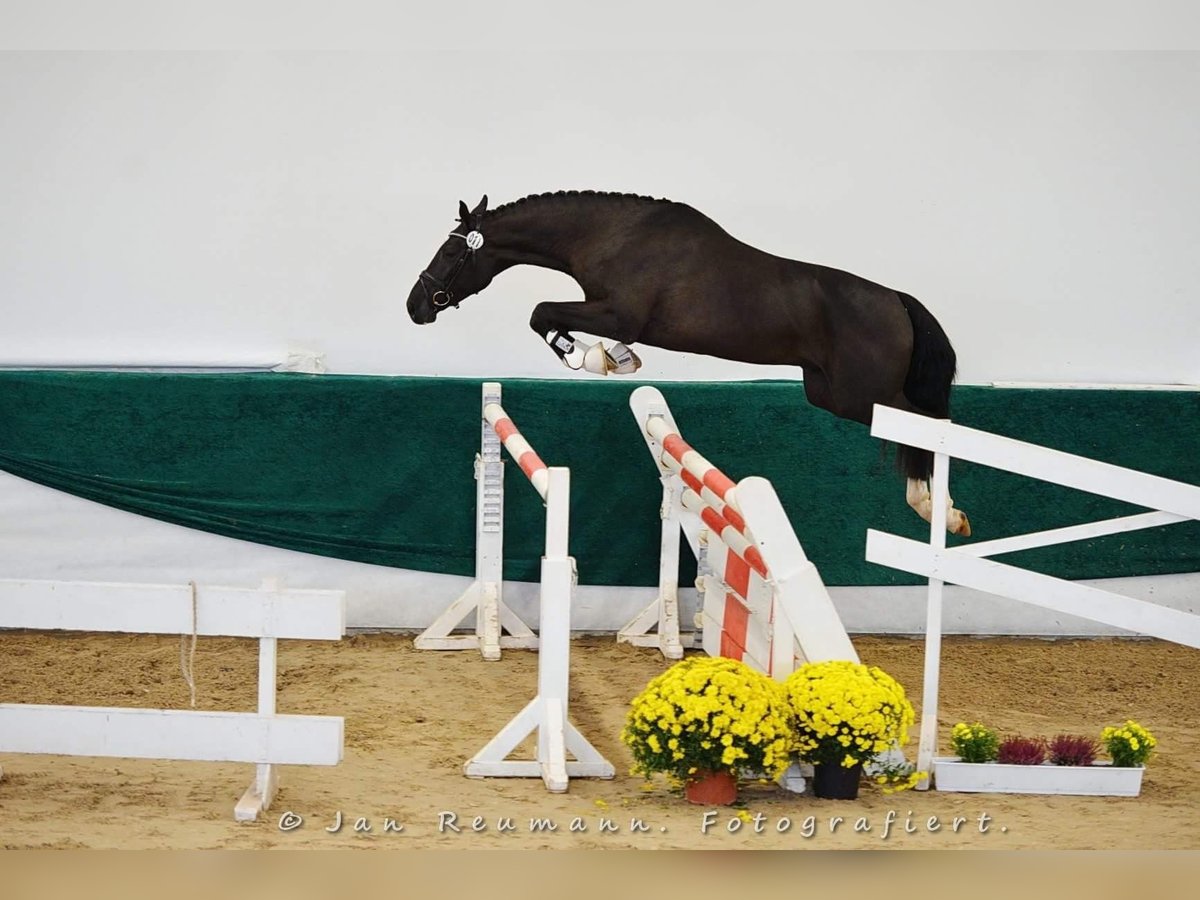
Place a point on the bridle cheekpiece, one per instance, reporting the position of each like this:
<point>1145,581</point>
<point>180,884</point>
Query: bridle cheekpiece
<point>474,240</point>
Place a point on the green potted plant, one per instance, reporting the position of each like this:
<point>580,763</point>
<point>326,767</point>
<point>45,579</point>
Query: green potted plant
<point>1129,745</point>
<point>705,721</point>
<point>975,743</point>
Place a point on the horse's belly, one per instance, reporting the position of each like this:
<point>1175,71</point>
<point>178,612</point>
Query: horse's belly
<point>740,338</point>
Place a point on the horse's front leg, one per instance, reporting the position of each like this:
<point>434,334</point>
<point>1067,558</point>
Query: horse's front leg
<point>921,500</point>
<point>554,322</point>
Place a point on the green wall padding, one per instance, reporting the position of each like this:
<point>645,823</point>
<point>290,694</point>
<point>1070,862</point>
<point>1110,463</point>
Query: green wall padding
<point>379,469</point>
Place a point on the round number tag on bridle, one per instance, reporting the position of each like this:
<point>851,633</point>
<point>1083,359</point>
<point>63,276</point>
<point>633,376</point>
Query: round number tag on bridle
<point>474,240</point>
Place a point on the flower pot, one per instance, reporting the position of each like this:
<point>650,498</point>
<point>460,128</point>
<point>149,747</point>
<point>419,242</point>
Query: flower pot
<point>833,781</point>
<point>1097,780</point>
<point>712,788</point>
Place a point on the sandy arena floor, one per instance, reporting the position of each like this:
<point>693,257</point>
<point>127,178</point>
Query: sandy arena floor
<point>412,719</point>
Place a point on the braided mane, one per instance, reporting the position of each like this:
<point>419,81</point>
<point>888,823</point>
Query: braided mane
<point>566,195</point>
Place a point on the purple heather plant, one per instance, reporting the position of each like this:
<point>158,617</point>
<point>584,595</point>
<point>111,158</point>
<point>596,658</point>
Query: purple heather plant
<point>1073,750</point>
<point>1022,751</point>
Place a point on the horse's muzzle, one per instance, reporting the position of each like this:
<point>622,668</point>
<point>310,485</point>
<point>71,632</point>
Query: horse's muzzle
<point>420,310</point>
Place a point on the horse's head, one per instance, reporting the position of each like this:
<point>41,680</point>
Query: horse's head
<point>464,265</point>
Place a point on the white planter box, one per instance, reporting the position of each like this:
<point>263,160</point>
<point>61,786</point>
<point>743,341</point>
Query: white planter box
<point>1097,780</point>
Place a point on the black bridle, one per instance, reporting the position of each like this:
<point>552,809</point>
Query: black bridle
<point>474,240</point>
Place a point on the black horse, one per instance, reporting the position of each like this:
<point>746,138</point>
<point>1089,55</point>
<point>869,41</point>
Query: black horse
<point>666,275</point>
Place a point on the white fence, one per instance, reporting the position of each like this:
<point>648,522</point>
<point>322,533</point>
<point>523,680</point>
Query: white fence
<point>263,737</point>
<point>967,565</point>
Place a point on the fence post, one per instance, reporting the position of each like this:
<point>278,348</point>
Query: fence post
<point>940,492</point>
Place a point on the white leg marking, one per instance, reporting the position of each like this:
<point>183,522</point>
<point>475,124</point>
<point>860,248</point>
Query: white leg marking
<point>919,498</point>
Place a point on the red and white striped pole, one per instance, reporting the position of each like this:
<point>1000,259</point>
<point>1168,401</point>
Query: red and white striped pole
<point>518,448</point>
<point>709,493</point>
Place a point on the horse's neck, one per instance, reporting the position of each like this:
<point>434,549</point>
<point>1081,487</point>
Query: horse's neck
<point>543,234</point>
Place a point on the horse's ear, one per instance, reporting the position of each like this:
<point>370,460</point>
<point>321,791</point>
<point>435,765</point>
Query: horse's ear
<point>463,212</point>
<point>481,208</point>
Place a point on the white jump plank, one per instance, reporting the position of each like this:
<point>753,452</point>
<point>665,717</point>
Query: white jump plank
<point>809,611</point>
<point>1062,596</point>
<point>1088,531</point>
<point>531,768</point>
<point>171,734</point>
<point>1081,473</point>
<point>167,609</point>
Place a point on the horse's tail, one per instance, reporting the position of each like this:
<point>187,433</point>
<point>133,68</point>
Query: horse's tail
<point>927,385</point>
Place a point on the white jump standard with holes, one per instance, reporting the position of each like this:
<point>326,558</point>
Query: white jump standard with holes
<point>264,738</point>
<point>966,565</point>
<point>546,713</point>
<point>485,595</point>
<point>762,599</point>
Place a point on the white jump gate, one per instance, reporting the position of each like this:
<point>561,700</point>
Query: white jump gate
<point>762,599</point>
<point>263,738</point>
<point>547,712</point>
<point>967,565</point>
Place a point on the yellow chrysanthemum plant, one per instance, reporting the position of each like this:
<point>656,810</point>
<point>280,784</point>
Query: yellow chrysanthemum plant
<point>708,714</point>
<point>975,743</point>
<point>848,714</point>
<point>1129,745</point>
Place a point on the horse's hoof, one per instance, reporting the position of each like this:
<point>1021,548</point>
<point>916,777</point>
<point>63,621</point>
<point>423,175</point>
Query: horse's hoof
<point>964,525</point>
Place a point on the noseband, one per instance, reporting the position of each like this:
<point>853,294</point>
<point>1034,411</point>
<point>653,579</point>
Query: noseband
<point>473,240</point>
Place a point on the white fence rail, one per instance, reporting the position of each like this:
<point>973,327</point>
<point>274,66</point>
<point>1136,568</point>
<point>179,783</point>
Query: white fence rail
<point>263,737</point>
<point>1171,502</point>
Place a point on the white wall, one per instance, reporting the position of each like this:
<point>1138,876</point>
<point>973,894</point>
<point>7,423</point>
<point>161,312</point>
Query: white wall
<point>217,206</point>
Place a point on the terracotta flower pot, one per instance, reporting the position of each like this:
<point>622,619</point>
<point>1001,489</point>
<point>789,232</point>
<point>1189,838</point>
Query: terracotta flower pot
<point>712,788</point>
<point>833,781</point>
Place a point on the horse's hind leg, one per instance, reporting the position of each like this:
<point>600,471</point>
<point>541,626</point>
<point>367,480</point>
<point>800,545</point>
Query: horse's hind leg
<point>820,392</point>
<point>917,465</point>
<point>917,491</point>
<point>921,500</point>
